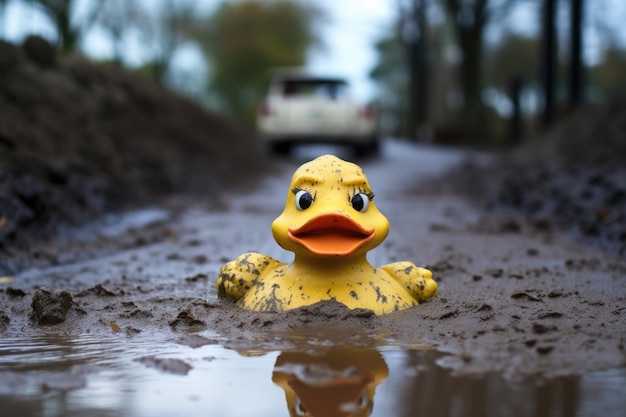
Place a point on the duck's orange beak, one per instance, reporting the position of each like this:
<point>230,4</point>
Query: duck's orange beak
<point>331,234</point>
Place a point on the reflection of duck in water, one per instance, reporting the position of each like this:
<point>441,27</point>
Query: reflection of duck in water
<point>334,383</point>
<point>330,221</point>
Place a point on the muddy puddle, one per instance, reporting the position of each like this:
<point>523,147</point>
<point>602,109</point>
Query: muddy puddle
<point>60,376</point>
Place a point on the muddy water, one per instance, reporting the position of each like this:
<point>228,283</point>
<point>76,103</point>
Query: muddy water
<point>523,326</point>
<point>55,376</point>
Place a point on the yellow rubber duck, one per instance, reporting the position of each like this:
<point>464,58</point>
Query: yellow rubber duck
<point>330,222</point>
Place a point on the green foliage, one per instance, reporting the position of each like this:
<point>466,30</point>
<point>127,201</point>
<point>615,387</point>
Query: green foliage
<point>243,40</point>
<point>514,57</point>
<point>607,78</point>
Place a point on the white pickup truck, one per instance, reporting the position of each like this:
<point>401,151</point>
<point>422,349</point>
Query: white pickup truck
<point>308,109</point>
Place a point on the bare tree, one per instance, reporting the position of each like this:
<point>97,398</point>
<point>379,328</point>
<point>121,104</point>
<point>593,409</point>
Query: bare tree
<point>68,29</point>
<point>417,51</point>
<point>164,30</point>
<point>3,7</point>
<point>117,18</point>
<point>469,19</point>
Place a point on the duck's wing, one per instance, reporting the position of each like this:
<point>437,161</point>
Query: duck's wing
<point>237,277</point>
<point>418,281</point>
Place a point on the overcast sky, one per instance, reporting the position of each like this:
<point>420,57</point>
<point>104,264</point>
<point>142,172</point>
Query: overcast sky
<point>350,36</point>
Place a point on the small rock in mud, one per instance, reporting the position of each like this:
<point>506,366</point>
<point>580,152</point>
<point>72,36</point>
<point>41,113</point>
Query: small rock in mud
<point>550,315</point>
<point>442,265</point>
<point>494,272</point>
<point>168,365</point>
<point>497,223</point>
<point>544,350</point>
<point>99,290</point>
<point>449,314</point>
<point>524,296</point>
<point>192,315</point>
<point>200,259</point>
<point>50,306</point>
<point>197,277</point>
<point>540,328</point>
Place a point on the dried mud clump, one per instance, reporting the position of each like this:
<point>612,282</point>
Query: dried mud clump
<point>50,306</point>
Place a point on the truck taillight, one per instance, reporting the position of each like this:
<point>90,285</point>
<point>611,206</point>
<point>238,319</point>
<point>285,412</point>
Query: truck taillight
<point>265,110</point>
<point>367,112</point>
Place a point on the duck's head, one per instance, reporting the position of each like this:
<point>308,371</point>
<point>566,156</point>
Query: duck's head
<point>340,381</point>
<point>330,211</point>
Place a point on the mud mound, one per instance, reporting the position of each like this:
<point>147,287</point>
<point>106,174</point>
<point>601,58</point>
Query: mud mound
<point>592,136</point>
<point>79,139</point>
<point>572,177</point>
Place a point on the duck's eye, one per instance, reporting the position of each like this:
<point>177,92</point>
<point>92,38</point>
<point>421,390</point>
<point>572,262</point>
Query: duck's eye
<point>304,199</point>
<point>360,202</point>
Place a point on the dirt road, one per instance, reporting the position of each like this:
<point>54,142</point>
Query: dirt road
<point>512,300</point>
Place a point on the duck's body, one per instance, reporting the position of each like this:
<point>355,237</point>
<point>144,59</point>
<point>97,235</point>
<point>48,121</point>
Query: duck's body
<point>329,222</point>
<point>261,283</point>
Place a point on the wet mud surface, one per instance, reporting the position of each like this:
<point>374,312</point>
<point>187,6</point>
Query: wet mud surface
<point>528,260</point>
<point>512,300</point>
